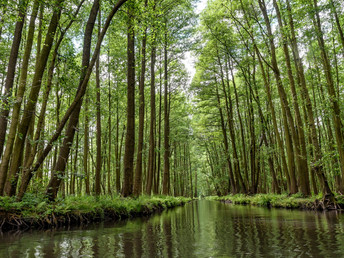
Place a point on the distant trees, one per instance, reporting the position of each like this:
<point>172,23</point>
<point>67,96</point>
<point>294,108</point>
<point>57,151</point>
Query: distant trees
<point>286,142</point>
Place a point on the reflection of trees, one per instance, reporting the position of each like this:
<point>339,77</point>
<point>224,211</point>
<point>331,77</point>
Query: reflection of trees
<point>200,229</point>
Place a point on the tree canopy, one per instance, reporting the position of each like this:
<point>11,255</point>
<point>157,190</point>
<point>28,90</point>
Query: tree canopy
<point>96,98</point>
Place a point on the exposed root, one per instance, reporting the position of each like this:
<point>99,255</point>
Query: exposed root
<point>328,202</point>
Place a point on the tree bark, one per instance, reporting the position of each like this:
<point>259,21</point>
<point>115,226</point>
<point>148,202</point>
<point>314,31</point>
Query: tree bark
<point>138,171</point>
<point>166,178</point>
<point>11,68</point>
<point>99,128</point>
<point>80,93</point>
<point>59,169</point>
<point>26,177</point>
<point>304,175</point>
<point>234,187</point>
<point>336,114</point>
<point>130,134</point>
<point>287,117</point>
<point>317,157</point>
<point>16,108</point>
<point>151,152</point>
<point>30,107</point>
<point>86,147</point>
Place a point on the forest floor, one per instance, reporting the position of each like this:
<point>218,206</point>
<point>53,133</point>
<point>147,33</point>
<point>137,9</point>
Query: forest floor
<point>36,212</point>
<point>295,201</point>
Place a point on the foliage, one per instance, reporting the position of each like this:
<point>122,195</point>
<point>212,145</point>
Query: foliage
<point>38,207</point>
<point>296,201</point>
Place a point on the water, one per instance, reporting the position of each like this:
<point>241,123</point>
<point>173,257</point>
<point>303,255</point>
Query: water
<point>199,229</point>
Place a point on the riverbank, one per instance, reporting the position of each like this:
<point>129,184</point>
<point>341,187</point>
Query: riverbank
<point>35,212</point>
<point>295,201</point>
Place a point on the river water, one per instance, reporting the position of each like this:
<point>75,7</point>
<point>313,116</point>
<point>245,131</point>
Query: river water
<point>199,229</point>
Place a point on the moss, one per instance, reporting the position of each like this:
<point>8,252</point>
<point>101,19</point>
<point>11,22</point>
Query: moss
<point>35,211</point>
<point>296,201</point>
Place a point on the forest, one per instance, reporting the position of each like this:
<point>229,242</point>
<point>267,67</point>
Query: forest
<point>97,98</point>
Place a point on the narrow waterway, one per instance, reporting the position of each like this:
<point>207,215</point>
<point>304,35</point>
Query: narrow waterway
<point>199,229</point>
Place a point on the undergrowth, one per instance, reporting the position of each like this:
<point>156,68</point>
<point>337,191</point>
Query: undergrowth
<point>296,201</point>
<point>35,206</point>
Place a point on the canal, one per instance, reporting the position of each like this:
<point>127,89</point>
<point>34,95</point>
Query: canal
<point>198,229</point>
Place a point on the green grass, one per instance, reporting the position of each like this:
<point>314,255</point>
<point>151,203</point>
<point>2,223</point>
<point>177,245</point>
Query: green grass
<point>295,201</point>
<point>37,210</point>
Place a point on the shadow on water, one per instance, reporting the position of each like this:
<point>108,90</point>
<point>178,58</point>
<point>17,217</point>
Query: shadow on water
<point>199,229</point>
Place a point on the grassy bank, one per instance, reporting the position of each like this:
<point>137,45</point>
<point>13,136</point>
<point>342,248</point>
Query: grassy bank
<point>35,212</point>
<point>295,201</point>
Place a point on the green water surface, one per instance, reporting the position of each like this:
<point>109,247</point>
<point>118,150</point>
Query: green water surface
<point>199,229</point>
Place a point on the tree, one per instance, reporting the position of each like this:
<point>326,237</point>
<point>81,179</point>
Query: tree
<point>130,133</point>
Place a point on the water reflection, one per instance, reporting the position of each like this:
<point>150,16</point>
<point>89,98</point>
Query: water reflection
<point>200,229</point>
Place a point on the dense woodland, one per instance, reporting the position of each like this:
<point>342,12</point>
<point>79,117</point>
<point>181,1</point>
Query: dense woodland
<point>96,99</point>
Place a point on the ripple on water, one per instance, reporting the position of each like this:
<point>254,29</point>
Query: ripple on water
<point>199,229</point>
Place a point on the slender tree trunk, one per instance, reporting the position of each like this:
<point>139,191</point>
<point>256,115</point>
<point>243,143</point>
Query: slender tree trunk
<point>317,162</point>
<point>336,114</point>
<point>75,167</point>
<point>166,178</point>
<point>11,69</point>
<point>304,176</point>
<point>138,172</point>
<point>30,107</point>
<point>159,138</point>
<point>27,175</point>
<point>288,172</point>
<point>60,167</point>
<point>40,159</point>
<point>339,27</point>
<point>151,153</point>
<point>130,135</point>
<point>232,134</point>
<point>86,147</point>
<point>196,184</point>
<point>99,129</point>
<point>224,132</point>
<point>16,108</point>
<point>117,152</point>
<point>287,117</point>
<point>109,129</point>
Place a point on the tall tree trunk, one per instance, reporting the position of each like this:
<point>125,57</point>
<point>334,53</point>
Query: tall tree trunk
<point>79,95</point>
<point>60,167</point>
<point>317,162</point>
<point>86,147</point>
<point>190,169</point>
<point>157,187</point>
<point>117,148</point>
<point>234,188</point>
<point>304,176</point>
<point>166,178</point>
<point>287,117</point>
<point>30,107</point>
<point>151,152</point>
<point>109,129</point>
<point>130,134</point>
<point>16,108</point>
<point>11,68</point>
<point>99,128</point>
<point>240,181</point>
<point>138,171</point>
<point>40,123</point>
<point>336,119</point>
<point>196,192</point>
<point>288,172</point>
<point>339,27</point>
